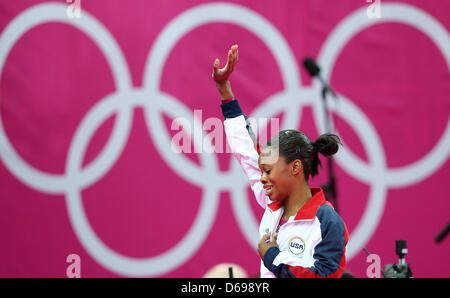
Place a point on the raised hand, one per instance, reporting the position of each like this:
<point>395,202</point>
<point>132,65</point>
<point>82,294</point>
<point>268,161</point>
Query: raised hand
<point>221,75</point>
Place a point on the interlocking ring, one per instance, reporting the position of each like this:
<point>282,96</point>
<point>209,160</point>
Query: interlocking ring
<point>155,102</point>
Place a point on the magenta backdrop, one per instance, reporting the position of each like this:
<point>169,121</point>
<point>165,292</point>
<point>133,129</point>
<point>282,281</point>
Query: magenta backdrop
<point>394,83</point>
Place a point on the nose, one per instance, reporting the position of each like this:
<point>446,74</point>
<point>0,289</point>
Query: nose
<point>263,178</point>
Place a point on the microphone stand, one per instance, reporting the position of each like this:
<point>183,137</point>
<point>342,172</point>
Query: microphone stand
<point>329,188</point>
<point>443,233</point>
<point>314,71</point>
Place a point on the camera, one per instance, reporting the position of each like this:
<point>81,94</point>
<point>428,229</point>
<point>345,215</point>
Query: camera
<point>402,269</point>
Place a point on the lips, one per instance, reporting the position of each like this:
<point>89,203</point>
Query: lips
<point>268,189</point>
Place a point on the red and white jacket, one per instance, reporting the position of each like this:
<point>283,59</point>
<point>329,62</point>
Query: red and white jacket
<point>311,243</point>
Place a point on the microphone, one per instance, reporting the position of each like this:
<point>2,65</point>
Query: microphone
<point>314,71</point>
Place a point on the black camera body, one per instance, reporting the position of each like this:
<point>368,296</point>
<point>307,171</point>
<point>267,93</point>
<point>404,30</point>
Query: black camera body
<point>402,269</point>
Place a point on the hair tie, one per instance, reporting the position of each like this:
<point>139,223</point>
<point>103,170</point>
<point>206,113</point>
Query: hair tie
<point>316,147</point>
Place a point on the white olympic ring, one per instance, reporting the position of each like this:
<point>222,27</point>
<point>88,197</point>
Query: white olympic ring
<point>155,102</point>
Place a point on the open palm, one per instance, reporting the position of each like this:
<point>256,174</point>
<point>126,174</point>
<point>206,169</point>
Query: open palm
<point>221,75</point>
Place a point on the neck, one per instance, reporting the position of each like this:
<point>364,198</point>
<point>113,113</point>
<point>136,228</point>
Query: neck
<point>296,200</point>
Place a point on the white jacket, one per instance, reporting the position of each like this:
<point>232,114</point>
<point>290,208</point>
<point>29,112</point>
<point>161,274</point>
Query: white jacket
<point>312,243</point>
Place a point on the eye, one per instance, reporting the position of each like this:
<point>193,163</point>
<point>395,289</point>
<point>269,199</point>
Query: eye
<point>265,170</point>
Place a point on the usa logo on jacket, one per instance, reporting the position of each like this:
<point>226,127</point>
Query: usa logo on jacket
<point>296,245</point>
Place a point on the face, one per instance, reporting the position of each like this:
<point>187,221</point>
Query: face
<point>276,177</point>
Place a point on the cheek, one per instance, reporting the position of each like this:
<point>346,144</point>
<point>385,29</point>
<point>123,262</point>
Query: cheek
<point>277,179</point>
<point>280,182</point>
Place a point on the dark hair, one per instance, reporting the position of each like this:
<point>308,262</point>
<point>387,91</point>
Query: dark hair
<point>294,144</point>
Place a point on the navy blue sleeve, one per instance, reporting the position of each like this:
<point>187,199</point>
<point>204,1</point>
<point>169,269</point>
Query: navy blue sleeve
<point>231,109</point>
<point>330,251</point>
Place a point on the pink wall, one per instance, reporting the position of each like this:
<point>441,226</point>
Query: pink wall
<point>86,165</point>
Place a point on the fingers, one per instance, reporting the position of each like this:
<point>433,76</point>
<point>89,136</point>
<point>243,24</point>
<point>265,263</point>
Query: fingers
<point>233,54</point>
<point>235,51</point>
<point>266,243</point>
<point>266,238</point>
<point>224,73</point>
<point>269,237</point>
<point>216,66</point>
<point>231,59</point>
<point>216,63</point>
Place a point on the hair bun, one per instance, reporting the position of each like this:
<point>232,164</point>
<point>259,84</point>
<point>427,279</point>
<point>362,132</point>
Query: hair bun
<point>327,144</point>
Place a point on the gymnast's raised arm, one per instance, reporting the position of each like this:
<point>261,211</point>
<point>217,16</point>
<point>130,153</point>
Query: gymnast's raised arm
<point>238,131</point>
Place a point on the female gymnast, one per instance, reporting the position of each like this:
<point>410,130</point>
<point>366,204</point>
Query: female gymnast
<point>301,234</point>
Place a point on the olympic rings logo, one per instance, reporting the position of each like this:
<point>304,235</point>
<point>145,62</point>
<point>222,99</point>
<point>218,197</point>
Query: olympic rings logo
<point>154,102</point>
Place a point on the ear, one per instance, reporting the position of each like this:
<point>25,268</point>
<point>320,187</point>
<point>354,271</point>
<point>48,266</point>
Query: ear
<point>297,167</point>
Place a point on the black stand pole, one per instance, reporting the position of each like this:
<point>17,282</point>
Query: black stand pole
<point>443,233</point>
<point>329,188</point>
